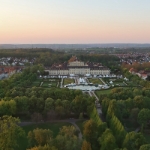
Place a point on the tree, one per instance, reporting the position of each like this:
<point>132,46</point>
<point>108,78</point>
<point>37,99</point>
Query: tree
<point>118,130</point>
<point>21,104</point>
<point>107,140</point>
<point>7,107</point>
<point>133,115</point>
<point>10,132</point>
<point>144,116</point>
<point>133,140</point>
<point>79,104</point>
<point>86,145</point>
<point>137,92</point>
<point>46,147</point>
<point>39,137</point>
<point>129,103</point>
<point>67,139</point>
<point>105,104</point>
<point>139,102</point>
<point>68,131</point>
<point>90,133</point>
<point>81,116</point>
<point>59,111</point>
<point>49,104</point>
<point>145,147</point>
<point>36,117</point>
<point>112,110</point>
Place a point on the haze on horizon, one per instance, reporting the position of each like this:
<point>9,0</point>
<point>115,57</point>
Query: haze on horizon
<point>66,21</point>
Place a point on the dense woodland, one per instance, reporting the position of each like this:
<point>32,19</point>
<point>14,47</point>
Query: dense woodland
<point>123,106</point>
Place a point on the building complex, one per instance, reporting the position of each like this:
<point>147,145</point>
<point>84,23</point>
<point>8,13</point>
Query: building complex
<point>76,67</point>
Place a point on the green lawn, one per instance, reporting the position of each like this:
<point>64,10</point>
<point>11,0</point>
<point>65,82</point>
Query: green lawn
<point>100,92</point>
<point>55,127</point>
<point>95,81</point>
<point>130,83</point>
<point>68,81</point>
<point>49,84</point>
<point>36,83</point>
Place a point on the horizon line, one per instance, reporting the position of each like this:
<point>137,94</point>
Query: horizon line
<point>68,43</point>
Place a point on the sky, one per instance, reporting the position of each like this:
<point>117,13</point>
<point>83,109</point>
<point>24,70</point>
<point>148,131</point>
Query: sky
<point>74,21</point>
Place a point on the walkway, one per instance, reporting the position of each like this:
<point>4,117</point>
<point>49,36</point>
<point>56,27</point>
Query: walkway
<point>102,81</point>
<point>97,104</point>
<point>61,83</point>
<point>41,83</point>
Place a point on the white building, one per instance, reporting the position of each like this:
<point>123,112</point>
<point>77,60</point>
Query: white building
<point>78,68</point>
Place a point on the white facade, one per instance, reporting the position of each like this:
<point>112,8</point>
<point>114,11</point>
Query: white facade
<point>78,68</point>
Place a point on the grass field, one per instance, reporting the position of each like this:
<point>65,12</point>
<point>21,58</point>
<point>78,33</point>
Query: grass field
<point>68,81</point>
<point>95,81</point>
<point>36,83</point>
<point>55,127</point>
<point>100,92</point>
<point>49,84</point>
<point>130,83</point>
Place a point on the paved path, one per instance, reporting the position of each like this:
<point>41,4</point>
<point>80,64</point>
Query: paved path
<point>97,104</point>
<point>102,81</point>
<point>77,128</point>
<point>72,121</point>
<point>41,83</point>
<point>61,83</point>
<point>138,129</point>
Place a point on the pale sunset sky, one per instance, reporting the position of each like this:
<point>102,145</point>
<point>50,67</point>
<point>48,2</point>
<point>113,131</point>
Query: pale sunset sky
<point>74,21</point>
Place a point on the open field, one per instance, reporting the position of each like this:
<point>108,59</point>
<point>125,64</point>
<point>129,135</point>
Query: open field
<point>95,81</point>
<point>68,81</point>
<point>55,127</point>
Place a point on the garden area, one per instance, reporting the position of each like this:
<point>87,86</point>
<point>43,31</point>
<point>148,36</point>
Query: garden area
<point>101,92</point>
<point>119,82</point>
<point>68,81</point>
<point>95,81</point>
<point>47,83</point>
<point>131,83</point>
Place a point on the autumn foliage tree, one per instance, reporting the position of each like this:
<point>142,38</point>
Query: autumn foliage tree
<point>10,132</point>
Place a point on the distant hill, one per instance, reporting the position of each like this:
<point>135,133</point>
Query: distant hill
<point>72,46</point>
